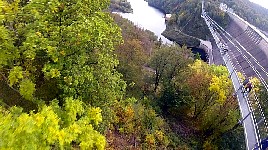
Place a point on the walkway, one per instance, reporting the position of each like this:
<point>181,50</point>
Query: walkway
<point>251,137</point>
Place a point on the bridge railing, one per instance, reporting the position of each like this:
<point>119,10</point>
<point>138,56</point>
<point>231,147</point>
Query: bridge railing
<point>260,118</point>
<point>251,112</point>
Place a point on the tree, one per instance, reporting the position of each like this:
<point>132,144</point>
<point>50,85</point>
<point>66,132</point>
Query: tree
<point>58,50</point>
<point>52,127</point>
<point>168,61</point>
<point>214,106</point>
<point>133,55</point>
<point>140,126</point>
<point>263,96</point>
<point>66,45</point>
<point>120,5</point>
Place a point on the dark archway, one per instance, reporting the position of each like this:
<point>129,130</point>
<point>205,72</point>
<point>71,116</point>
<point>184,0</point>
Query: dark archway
<point>201,52</point>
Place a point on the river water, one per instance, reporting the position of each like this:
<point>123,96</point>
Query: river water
<point>147,17</point>
<point>152,19</point>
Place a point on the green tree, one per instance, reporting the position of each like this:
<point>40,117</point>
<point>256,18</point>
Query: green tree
<point>263,96</point>
<point>120,5</point>
<point>214,106</point>
<point>64,50</point>
<point>68,44</point>
<point>133,55</point>
<point>132,59</point>
<point>52,127</point>
<point>168,61</point>
<point>141,125</point>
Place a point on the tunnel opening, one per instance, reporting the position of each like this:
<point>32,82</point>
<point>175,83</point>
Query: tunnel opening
<point>201,52</point>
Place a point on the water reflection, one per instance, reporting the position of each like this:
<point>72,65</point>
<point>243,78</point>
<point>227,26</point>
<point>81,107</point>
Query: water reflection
<point>147,17</point>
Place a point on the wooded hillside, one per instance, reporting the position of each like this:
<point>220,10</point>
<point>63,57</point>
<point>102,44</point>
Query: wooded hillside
<point>186,19</point>
<point>120,6</point>
<point>86,79</point>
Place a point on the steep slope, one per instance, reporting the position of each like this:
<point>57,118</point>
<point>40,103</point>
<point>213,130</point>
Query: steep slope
<point>120,6</point>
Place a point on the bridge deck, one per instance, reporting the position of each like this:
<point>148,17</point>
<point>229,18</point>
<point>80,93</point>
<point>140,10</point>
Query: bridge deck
<point>251,136</point>
<point>249,129</point>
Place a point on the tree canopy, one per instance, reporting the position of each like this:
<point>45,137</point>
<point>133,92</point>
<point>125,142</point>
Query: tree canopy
<point>69,81</point>
<point>59,55</point>
<point>121,6</point>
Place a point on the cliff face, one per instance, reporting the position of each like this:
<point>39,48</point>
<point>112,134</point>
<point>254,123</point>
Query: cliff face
<point>186,19</point>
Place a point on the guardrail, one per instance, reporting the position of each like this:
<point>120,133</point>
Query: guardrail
<point>250,126</point>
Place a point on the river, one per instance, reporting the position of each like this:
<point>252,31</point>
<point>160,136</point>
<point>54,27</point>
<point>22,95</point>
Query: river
<point>152,19</point>
<point>147,17</point>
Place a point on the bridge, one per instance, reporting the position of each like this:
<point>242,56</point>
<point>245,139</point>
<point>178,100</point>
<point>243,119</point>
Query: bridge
<point>243,48</point>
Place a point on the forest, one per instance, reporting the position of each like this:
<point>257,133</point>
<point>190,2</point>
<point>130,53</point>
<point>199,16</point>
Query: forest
<point>186,18</point>
<point>120,6</point>
<point>74,76</point>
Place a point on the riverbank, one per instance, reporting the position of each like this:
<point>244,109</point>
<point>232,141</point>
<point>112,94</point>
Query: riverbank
<point>173,34</point>
<point>147,17</point>
<point>154,21</point>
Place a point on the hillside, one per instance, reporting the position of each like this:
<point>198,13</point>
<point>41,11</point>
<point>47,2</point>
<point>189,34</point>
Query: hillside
<point>186,19</point>
<point>120,6</point>
<point>78,77</point>
<point>171,91</point>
